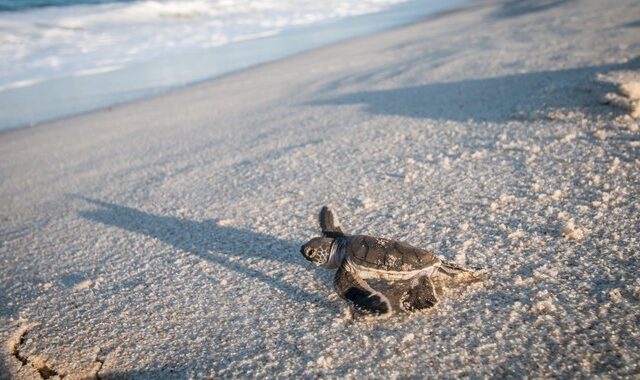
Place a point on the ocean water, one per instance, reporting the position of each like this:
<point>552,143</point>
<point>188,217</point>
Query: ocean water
<point>16,5</point>
<point>63,57</point>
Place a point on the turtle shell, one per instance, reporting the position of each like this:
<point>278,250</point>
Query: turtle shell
<point>386,254</point>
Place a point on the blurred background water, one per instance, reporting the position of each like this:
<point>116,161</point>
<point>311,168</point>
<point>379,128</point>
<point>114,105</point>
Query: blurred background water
<point>63,57</point>
<point>15,5</point>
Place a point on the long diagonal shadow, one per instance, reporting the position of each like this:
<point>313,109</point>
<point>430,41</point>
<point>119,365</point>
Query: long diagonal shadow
<point>490,99</point>
<point>209,241</point>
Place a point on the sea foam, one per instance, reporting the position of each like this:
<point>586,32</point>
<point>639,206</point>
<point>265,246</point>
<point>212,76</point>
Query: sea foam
<point>45,43</point>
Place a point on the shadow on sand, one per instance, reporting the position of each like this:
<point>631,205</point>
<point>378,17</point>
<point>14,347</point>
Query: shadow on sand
<point>490,99</point>
<point>212,242</point>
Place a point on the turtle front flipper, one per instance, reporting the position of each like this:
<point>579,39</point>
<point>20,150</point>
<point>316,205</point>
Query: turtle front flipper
<point>362,297</point>
<point>421,295</point>
<point>329,223</point>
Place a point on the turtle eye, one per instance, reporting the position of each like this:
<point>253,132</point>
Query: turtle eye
<point>311,252</point>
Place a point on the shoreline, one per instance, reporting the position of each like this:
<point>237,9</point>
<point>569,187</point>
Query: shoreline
<point>172,73</point>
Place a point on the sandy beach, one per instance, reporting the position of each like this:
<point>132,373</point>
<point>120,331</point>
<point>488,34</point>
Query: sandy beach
<point>160,239</point>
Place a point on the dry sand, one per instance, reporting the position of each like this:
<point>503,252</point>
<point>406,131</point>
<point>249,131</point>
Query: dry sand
<point>160,239</point>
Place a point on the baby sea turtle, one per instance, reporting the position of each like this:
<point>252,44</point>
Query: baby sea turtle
<point>360,257</point>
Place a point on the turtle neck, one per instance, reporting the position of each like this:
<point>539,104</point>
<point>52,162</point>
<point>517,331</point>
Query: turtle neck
<point>336,253</point>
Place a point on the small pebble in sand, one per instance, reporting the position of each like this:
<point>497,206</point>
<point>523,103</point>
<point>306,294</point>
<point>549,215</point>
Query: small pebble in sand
<point>324,362</point>
<point>408,338</point>
<point>478,155</point>
<point>571,232</point>
<point>601,134</point>
<point>516,235</point>
<point>544,307</point>
<point>365,203</point>
<point>615,164</point>
<point>83,285</point>
<point>569,137</point>
<point>615,295</point>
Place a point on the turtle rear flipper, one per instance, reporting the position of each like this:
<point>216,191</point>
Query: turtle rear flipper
<point>329,223</point>
<point>350,286</point>
<point>452,270</point>
<point>421,295</point>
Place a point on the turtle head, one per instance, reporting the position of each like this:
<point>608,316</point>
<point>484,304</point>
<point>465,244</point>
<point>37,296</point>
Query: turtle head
<point>318,250</point>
